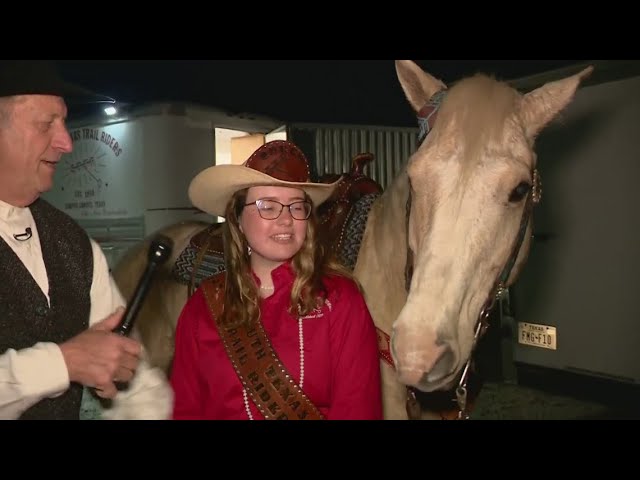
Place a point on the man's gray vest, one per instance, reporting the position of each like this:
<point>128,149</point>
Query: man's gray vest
<point>25,316</point>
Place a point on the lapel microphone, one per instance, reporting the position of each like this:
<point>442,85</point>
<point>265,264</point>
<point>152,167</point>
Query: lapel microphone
<point>21,237</point>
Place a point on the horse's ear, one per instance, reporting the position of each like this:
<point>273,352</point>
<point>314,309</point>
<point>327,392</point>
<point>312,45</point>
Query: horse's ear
<point>417,84</point>
<point>541,105</point>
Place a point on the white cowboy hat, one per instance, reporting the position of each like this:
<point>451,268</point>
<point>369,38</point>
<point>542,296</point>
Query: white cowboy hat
<point>279,163</point>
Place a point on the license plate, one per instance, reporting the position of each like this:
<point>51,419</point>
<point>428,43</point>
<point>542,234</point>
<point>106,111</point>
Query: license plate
<point>542,336</point>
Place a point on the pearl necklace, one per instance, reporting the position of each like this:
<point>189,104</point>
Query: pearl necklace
<point>245,396</point>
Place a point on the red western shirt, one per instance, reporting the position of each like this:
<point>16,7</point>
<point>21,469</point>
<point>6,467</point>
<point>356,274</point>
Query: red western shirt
<point>341,364</point>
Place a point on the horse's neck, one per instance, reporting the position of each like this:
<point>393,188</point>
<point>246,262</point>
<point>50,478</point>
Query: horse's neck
<point>383,253</point>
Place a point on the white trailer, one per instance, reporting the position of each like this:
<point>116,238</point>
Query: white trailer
<point>128,174</point>
<point>576,307</point>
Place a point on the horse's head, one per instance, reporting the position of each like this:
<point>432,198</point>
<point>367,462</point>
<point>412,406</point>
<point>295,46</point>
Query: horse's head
<point>472,184</point>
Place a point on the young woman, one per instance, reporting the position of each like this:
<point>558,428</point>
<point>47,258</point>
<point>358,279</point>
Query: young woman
<point>285,332</point>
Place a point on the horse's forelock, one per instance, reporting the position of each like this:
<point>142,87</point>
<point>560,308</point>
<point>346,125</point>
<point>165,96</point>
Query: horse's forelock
<point>479,106</point>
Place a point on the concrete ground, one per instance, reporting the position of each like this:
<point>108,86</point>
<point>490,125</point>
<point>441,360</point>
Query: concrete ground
<point>503,401</point>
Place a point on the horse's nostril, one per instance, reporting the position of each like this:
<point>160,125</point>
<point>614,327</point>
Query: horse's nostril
<point>443,366</point>
<point>417,370</point>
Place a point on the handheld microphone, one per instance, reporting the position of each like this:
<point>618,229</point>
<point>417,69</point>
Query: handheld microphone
<point>159,252</point>
<point>23,236</point>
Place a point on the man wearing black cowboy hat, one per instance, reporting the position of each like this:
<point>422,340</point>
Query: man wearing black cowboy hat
<point>58,302</point>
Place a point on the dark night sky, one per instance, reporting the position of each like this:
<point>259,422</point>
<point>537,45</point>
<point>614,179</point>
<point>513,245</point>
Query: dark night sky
<point>316,91</point>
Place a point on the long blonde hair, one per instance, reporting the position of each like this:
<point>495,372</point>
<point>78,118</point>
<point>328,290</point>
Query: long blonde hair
<point>310,264</point>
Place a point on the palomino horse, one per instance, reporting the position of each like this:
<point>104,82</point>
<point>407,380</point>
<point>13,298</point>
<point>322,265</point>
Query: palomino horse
<point>451,231</point>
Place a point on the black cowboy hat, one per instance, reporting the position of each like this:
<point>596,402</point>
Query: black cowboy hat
<point>40,77</point>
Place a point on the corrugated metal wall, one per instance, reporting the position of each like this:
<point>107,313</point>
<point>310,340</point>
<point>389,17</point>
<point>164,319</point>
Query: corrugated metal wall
<point>336,145</point>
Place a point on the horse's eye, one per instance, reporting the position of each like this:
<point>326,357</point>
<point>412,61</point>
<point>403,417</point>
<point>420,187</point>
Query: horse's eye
<point>519,192</point>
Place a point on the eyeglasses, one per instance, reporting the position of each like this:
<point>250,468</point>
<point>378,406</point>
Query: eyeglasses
<point>271,209</point>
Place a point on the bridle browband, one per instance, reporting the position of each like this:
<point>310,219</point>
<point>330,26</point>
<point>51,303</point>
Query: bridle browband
<point>426,119</point>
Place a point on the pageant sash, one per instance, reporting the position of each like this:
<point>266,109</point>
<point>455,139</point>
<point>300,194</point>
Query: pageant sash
<point>270,386</point>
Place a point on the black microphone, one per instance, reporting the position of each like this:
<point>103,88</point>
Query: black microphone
<point>159,252</point>
<point>23,236</point>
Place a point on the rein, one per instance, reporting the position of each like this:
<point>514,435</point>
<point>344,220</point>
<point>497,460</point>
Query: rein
<point>426,117</point>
